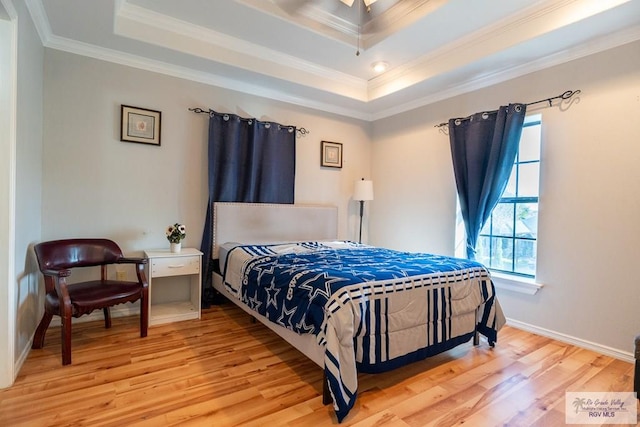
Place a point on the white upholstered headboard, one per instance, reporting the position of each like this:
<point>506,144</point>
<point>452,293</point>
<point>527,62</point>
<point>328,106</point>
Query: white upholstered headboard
<point>269,223</point>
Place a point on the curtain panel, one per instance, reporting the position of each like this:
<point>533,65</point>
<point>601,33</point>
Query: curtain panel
<point>249,161</point>
<point>483,149</point>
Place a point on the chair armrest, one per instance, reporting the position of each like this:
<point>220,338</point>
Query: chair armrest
<point>57,273</point>
<point>132,261</point>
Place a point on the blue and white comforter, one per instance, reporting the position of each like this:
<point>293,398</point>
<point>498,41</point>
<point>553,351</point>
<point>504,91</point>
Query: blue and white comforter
<point>372,309</point>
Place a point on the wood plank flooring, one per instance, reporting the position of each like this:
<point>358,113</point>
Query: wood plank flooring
<point>225,370</point>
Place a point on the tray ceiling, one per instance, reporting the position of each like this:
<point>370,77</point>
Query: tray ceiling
<point>304,51</point>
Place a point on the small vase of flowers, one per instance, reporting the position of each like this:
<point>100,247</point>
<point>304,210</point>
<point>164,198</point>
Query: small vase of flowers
<point>175,234</point>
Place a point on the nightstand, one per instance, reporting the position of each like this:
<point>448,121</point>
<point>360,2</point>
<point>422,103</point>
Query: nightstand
<point>174,285</point>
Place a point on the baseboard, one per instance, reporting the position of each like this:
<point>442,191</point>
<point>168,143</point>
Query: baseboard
<point>599,348</point>
<point>23,356</point>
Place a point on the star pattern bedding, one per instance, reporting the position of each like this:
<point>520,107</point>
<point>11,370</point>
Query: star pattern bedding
<point>372,309</point>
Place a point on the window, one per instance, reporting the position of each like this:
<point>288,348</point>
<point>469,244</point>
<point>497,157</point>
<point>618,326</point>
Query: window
<point>508,240</point>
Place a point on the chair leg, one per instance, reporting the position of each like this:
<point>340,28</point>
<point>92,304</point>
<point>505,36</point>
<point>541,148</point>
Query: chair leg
<point>66,340</point>
<point>38,339</point>
<point>107,317</point>
<point>144,313</point>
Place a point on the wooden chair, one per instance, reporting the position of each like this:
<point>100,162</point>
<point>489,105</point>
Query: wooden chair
<point>56,259</point>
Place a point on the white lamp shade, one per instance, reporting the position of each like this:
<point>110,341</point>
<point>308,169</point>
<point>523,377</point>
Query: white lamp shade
<point>363,190</point>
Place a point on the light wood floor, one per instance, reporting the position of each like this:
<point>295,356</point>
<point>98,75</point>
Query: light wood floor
<point>224,370</point>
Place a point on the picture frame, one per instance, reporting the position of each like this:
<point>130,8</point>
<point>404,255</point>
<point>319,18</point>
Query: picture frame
<point>331,154</point>
<point>140,125</point>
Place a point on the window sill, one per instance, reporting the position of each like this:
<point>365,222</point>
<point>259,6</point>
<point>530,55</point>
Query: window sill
<point>518,284</point>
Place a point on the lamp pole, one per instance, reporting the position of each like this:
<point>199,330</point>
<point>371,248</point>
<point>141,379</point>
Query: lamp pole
<point>361,212</point>
<point>362,191</point>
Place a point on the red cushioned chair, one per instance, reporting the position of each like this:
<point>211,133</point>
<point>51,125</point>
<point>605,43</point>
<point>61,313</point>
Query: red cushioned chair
<point>56,259</point>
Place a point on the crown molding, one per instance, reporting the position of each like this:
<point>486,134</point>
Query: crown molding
<point>609,42</point>
<point>134,61</point>
<point>300,21</point>
<point>39,18</point>
<point>327,24</point>
<point>366,113</point>
<point>534,21</point>
<point>142,24</point>
<point>399,16</point>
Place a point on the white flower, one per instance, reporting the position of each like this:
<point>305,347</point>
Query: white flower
<point>176,232</point>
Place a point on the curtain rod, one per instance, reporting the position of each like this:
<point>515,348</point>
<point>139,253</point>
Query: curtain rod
<point>567,95</point>
<point>198,110</point>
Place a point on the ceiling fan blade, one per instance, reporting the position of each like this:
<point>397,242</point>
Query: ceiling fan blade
<point>366,2</point>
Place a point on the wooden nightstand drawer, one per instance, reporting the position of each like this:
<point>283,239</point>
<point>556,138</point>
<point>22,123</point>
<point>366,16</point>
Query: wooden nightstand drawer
<point>175,266</point>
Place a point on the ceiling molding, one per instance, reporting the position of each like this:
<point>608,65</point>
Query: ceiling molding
<point>612,41</point>
<point>398,16</point>
<point>370,103</point>
<point>300,21</point>
<point>40,20</point>
<point>330,20</point>
<point>532,22</point>
<point>325,23</point>
<point>142,24</point>
<point>134,61</point>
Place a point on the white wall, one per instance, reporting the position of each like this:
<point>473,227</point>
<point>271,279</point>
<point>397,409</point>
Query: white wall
<point>7,188</point>
<point>96,185</point>
<point>21,136</point>
<point>589,229</point>
<point>28,197</point>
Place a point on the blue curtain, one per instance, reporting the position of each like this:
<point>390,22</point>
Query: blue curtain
<point>249,161</point>
<point>483,148</point>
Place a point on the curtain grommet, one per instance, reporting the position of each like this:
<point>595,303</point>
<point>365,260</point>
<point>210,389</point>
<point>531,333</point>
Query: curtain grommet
<point>225,117</point>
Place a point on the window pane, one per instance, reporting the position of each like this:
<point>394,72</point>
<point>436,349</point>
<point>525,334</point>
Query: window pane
<point>503,219</point>
<point>483,253</point>
<point>528,181</point>
<point>530,143</point>
<point>510,189</point>
<point>486,228</point>
<point>502,254</point>
<point>525,257</point>
<point>527,220</point>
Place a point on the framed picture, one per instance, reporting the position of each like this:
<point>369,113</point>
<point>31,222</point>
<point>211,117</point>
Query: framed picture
<point>140,125</point>
<point>331,154</point>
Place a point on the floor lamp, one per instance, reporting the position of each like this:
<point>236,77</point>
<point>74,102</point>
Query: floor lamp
<point>362,191</point>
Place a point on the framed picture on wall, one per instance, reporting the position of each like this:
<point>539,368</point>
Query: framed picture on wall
<point>331,154</point>
<point>140,125</point>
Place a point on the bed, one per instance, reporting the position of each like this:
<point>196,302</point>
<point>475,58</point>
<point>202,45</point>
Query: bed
<point>348,307</point>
